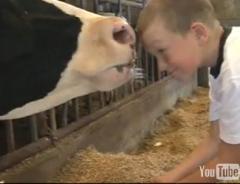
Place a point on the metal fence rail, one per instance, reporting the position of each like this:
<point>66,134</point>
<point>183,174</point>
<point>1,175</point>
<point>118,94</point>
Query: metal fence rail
<point>17,134</point>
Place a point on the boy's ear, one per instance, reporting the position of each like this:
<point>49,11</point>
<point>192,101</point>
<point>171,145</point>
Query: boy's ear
<point>200,31</point>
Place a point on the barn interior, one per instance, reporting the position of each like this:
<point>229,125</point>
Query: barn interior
<point>128,135</point>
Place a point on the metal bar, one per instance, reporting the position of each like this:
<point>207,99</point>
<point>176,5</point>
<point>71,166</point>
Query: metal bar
<point>157,70</point>
<point>65,115</point>
<point>153,69</point>
<point>129,17</point>
<point>10,136</point>
<point>81,3</point>
<point>96,6</point>
<point>73,2</point>
<point>34,128</point>
<point>129,14</point>
<point>76,109</point>
<point>78,3</point>
<point>89,104</point>
<point>107,97</point>
<point>140,54</point>
<point>114,95</point>
<point>146,68</point>
<point>122,92</point>
<point>102,101</point>
<point>84,4</point>
<point>142,61</point>
<point>111,97</point>
<point>132,86</point>
<point>126,92</point>
<point>120,10</point>
<point>126,3</point>
<point>117,96</point>
<point>42,123</point>
<point>144,2</point>
<point>53,121</point>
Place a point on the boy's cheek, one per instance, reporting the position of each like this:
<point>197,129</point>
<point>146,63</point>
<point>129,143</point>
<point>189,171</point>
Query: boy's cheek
<point>189,67</point>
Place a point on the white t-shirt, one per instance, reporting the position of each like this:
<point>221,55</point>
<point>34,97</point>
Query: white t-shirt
<point>224,84</point>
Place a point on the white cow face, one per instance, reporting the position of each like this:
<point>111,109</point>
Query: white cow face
<point>106,52</point>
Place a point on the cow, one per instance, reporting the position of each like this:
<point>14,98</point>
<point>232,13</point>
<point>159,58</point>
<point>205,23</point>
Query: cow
<point>52,52</point>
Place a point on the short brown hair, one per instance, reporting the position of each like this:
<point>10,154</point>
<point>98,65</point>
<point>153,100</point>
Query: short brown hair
<point>177,14</point>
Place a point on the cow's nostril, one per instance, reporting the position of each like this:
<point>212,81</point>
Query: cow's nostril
<point>122,36</point>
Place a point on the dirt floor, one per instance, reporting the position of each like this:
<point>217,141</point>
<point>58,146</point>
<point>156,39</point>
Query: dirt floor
<point>179,131</point>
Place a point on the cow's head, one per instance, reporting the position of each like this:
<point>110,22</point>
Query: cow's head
<point>105,52</point>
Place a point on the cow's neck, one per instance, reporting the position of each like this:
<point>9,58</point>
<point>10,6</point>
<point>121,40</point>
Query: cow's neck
<point>65,91</point>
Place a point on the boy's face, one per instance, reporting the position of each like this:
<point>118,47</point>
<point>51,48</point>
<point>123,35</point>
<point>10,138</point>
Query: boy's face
<point>178,54</point>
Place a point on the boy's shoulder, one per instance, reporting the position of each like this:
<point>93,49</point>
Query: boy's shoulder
<point>231,59</point>
<point>227,69</point>
<point>228,52</point>
<point>233,41</point>
<point>233,37</point>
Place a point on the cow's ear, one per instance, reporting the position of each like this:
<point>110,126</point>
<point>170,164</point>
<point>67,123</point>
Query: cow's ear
<point>82,14</point>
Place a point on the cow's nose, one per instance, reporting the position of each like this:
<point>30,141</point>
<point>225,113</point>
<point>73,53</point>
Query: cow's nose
<point>124,34</point>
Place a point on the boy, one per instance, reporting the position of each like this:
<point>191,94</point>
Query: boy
<point>185,35</point>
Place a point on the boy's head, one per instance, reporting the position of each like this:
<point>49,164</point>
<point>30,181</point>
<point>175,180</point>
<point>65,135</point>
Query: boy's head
<point>177,14</point>
<point>178,32</point>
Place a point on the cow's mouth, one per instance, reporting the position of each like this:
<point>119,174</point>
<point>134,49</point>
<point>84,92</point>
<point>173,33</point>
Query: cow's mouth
<point>125,35</point>
<point>130,64</point>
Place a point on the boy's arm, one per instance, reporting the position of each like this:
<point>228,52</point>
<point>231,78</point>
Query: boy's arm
<point>228,154</point>
<point>203,153</point>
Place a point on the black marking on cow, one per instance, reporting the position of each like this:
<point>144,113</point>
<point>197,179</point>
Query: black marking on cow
<point>37,40</point>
